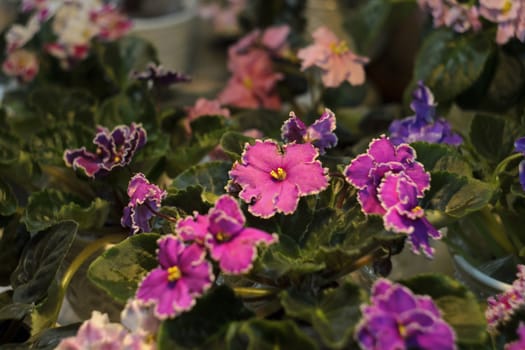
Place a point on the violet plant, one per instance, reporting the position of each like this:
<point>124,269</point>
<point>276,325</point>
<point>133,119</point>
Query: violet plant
<point>244,219</point>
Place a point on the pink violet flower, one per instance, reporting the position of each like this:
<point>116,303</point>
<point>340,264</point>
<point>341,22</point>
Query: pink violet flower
<point>460,17</point>
<point>99,333</point>
<point>509,15</point>
<point>272,39</point>
<point>501,307</point>
<point>183,275</point>
<point>204,107</point>
<point>320,133</point>
<point>231,244</point>
<point>139,319</point>
<point>224,18</point>
<point>520,343</point>
<point>144,198</point>
<point>253,83</point>
<point>367,171</point>
<point>332,55</point>
<point>114,149</point>
<point>398,319</point>
<point>21,64</point>
<point>18,35</point>
<point>272,177</point>
<point>111,23</point>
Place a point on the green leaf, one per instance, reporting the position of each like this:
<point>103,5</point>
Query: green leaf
<point>119,269</point>
<point>50,206</point>
<point>188,199</point>
<point>268,335</point>
<point>8,201</point>
<point>490,137</point>
<point>441,158</point>
<point>333,313</point>
<point>449,64</point>
<point>14,238</point>
<point>459,306</point>
<point>40,262</point>
<point>132,105</point>
<point>211,176</point>
<point>15,311</point>
<point>50,338</point>
<point>233,144</point>
<point>209,317</point>
<point>457,195</point>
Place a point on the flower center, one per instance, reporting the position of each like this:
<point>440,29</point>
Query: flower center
<point>248,83</point>
<point>416,209</point>
<point>117,159</point>
<point>174,274</point>
<point>278,174</point>
<point>507,6</point>
<point>402,330</point>
<point>222,236</point>
<point>339,48</point>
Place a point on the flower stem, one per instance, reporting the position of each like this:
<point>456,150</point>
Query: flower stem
<point>160,215</point>
<point>503,164</point>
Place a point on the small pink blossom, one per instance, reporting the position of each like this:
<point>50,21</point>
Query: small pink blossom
<point>509,15</point>
<point>520,343</point>
<point>111,24</point>
<point>139,319</point>
<point>272,39</point>
<point>224,18</point>
<point>332,55</point>
<point>204,107</point>
<point>272,177</point>
<point>21,64</point>
<point>18,35</point>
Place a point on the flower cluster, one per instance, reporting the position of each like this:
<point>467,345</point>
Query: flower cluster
<point>422,126</point>
<point>501,307</point>
<point>390,183</point>
<point>398,319</point>
<point>452,13</point>
<point>114,149</point>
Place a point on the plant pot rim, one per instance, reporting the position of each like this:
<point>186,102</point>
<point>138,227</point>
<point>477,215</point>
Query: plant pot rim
<point>152,23</point>
<point>475,273</point>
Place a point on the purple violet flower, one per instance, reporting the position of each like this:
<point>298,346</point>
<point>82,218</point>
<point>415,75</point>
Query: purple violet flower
<point>367,171</point>
<point>231,244</point>
<point>520,343</point>
<point>501,307</point>
<point>273,178</point>
<point>398,195</point>
<point>182,276</point>
<point>422,126</point>
<point>115,148</point>
<point>320,133</point>
<point>519,146</point>
<point>144,198</point>
<point>397,319</point>
<point>157,75</point>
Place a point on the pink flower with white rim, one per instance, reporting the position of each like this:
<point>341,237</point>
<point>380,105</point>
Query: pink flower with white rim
<point>139,319</point>
<point>274,177</point>
<point>183,275</point>
<point>21,64</point>
<point>333,56</point>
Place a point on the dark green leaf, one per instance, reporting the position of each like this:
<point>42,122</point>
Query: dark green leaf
<point>132,105</point>
<point>489,136</point>
<point>333,314</point>
<point>211,176</point>
<point>15,311</point>
<point>49,339</point>
<point>40,262</point>
<point>267,121</point>
<point>13,241</point>
<point>233,144</point>
<point>459,306</point>
<point>449,63</point>
<point>440,157</point>
<point>8,201</point>
<point>119,270</point>
<point>211,315</point>
<point>188,199</point>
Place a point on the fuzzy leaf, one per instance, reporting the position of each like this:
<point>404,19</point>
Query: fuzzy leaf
<point>233,144</point>
<point>14,238</point>
<point>119,269</point>
<point>440,157</point>
<point>40,262</point>
<point>333,314</point>
<point>8,201</point>
<point>490,137</point>
<point>211,176</point>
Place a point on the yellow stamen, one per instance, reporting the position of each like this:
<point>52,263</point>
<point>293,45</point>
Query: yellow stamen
<point>99,151</point>
<point>507,6</point>
<point>402,330</point>
<point>221,236</point>
<point>248,83</point>
<point>416,209</point>
<point>340,47</point>
<point>278,175</point>
<point>174,273</point>
<point>117,159</point>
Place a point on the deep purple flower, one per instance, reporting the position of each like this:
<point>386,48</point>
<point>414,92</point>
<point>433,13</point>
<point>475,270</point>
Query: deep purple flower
<point>519,146</point>
<point>397,319</point>
<point>520,343</point>
<point>222,231</point>
<point>160,76</point>
<point>501,307</point>
<point>398,195</point>
<point>320,133</point>
<point>422,126</point>
<point>367,171</point>
<point>144,198</point>
<point>273,178</point>
<point>182,276</point>
<point>115,148</point>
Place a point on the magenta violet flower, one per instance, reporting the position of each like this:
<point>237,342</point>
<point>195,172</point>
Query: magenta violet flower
<point>397,319</point>
<point>144,199</point>
<point>520,343</point>
<point>273,177</point>
<point>222,231</point>
<point>335,59</point>
<point>114,149</point>
<point>157,75</point>
<point>320,133</point>
<point>182,276</point>
<point>501,307</point>
<point>367,171</point>
<point>519,146</point>
<point>423,126</point>
<point>398,196</point>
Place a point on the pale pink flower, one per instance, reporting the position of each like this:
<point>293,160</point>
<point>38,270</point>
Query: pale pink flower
<point>139,319</point>
<point>111,24</point>
<point>509,15</point>
<point>335,59</point>
<point>22,64</point>
<point>204,107</point>
<point>450,13</point>
<point>224,18</point>
<point>272,39</point>
<point>18,35</point>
